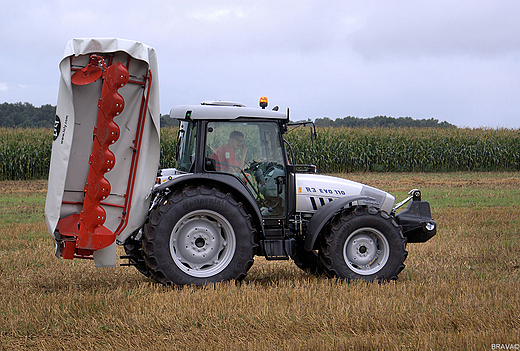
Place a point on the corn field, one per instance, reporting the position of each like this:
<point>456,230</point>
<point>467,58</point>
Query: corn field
<point>343,150</point>
<point>25,153</point>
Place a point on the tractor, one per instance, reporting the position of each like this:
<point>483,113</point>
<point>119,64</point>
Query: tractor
<point>212,214</point>
<point>235,191</point>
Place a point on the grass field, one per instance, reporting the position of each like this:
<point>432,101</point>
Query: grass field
<point>461,290</point>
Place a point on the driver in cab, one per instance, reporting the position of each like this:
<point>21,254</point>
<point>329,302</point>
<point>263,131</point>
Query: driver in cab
<point>231,156</point>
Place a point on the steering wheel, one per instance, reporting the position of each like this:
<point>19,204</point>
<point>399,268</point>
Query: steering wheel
<point>253,165</point>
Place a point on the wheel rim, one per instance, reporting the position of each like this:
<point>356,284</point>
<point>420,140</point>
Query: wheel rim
<point>366,251</point>
<point>202,243</point>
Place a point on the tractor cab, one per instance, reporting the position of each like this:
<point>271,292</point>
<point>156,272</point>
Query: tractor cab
<point>227,139</point>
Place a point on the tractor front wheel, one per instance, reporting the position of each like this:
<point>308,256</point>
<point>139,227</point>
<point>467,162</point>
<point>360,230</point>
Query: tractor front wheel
<point>364,243</point>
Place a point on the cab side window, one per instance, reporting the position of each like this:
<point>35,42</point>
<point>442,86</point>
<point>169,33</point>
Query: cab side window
<point>186,146</point>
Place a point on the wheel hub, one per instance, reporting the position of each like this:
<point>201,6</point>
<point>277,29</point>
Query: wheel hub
<point>199,243</point>
<point>366,251</point>
<point>362,250</point>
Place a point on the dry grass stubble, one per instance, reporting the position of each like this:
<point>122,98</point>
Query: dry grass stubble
<point>458,291</point>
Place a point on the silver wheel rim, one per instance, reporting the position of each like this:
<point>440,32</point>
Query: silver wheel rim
<point>202,243</point>
<point>366,251</point>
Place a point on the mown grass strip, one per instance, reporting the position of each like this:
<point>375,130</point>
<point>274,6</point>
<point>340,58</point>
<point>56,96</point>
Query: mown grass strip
<point>459,291</point>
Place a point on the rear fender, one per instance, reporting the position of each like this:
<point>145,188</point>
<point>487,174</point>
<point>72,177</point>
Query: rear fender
<point>225,182</point>
<point>325,213</point>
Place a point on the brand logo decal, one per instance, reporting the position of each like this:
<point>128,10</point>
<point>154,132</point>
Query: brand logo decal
<point>57,128</point>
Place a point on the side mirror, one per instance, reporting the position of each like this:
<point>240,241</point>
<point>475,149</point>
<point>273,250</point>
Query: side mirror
<point>279,184</point>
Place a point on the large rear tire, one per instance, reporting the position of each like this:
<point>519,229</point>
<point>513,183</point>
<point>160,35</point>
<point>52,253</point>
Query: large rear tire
<point>199,235</point>
<point>364,244</point>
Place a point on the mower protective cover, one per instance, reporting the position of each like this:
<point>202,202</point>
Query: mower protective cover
<point>94,126</point>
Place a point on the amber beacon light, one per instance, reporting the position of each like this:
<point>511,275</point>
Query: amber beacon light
<point>263,102</point>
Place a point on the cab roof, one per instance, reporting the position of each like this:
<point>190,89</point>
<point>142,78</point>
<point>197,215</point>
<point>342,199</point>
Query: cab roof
<point>219,110</point>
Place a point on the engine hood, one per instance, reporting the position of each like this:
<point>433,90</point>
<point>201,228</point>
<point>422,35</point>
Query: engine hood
<point>314,191</point>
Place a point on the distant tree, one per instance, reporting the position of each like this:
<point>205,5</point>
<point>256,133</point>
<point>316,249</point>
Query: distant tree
<point>166,121</point>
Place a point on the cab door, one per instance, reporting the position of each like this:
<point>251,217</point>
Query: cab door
<point>252,152</point>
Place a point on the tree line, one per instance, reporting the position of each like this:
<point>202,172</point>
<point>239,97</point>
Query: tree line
<point>26,115</point>
<point>381,121</point>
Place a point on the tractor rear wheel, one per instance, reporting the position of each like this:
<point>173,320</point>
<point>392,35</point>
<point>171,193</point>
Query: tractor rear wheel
<point>364,243</point>
<point>198,235</point>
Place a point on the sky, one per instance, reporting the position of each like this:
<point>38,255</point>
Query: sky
<point>455,61</point>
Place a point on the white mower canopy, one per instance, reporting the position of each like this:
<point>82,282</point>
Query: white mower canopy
<point>106,148</point>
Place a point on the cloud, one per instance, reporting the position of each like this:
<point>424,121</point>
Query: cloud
<point>456,61</point>
<point>216,15</point>
<point>438,28</point>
